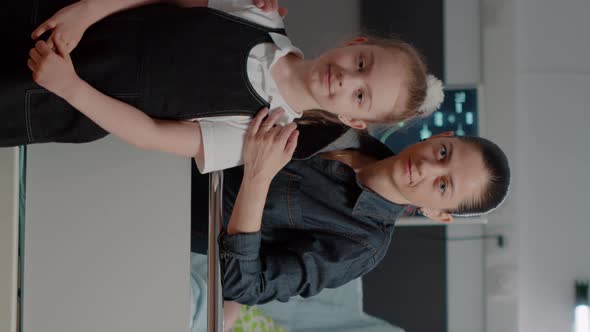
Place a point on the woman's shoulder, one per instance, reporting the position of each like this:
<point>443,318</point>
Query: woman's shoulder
<point>246,10</point>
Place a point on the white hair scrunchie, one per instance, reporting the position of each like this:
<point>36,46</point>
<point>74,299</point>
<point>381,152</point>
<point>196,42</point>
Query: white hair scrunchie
<point>434,96</point>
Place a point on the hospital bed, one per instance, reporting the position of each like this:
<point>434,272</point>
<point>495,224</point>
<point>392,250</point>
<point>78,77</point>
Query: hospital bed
<point>61,254</point>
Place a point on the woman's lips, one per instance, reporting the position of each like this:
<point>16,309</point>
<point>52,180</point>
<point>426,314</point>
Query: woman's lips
<point>409,169</point>
<point>328,79</point>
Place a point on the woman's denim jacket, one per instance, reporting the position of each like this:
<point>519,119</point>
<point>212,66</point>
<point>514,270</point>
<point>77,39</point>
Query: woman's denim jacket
<point>320,229</point>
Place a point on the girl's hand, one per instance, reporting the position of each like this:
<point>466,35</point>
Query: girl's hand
<point>268,147</point>
<point>271,5</point>
<point>71,22</point>
<point>52,70</point>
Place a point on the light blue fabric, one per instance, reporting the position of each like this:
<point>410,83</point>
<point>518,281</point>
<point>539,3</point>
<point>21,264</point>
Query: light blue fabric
<point>198,319</point>
<point>332,310</point>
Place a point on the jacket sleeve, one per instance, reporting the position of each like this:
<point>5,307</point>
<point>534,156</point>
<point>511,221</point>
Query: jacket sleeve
<point>311,261</point>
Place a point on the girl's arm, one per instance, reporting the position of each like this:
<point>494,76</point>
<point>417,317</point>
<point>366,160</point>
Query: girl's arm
<point>103,8</point>
<point>133,126</point>
<point>72,21</point>
<point>55,72</point>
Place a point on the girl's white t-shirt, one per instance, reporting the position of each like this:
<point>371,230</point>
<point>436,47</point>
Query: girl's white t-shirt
<point>223,137</point>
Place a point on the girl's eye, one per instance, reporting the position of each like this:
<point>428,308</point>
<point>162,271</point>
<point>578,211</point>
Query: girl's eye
<point>359,97</point>
<point>361,63</point>
<point>442,152</point>
<point>442,186</point>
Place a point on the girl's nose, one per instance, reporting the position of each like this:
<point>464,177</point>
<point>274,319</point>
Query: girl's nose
<point>349,79</point>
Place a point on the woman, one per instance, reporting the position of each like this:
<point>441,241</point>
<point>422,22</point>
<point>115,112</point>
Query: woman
<point>329,219</point>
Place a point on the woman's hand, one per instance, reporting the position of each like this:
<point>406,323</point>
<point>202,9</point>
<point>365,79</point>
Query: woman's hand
<point>271,5</point>
<point>53,70</point>
<point>71,22</point>
<point>268,147</point>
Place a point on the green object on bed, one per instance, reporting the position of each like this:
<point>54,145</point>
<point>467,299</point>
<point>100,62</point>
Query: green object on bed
<point>252,319</point>
<point>332,310</point>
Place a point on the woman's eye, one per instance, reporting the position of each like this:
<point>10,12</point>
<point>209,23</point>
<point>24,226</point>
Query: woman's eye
<point>359,97</point>
<point>442,186</point>
<point>442,152</point>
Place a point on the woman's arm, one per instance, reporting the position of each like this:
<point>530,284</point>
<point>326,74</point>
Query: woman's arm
<point>304,264</point>
<point>267,149</point>
<point>231,312</point>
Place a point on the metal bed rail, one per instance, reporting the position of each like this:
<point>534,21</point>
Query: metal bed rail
<point>215,296</point>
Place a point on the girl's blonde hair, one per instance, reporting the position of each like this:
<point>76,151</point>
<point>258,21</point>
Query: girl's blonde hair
<point>415,83</point>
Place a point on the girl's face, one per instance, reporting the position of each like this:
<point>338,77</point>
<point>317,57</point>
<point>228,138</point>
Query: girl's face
<point>437,174</point>
<point>359,83</point>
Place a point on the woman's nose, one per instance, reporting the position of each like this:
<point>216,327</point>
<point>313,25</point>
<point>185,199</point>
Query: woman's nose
<point>430,168</point>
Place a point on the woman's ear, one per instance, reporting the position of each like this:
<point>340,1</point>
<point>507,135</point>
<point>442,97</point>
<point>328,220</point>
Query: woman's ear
<point>353,123</point>
<point>437,215</point>
<point>357,40</point>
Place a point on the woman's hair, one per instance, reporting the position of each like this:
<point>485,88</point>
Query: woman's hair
<point>496,189</point>
<point>416,83</point>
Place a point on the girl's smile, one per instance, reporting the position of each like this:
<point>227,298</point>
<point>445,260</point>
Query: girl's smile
<point>328,80</point>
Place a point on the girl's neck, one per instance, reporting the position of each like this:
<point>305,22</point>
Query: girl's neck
<point>353,158</point>
<point>291,74</point>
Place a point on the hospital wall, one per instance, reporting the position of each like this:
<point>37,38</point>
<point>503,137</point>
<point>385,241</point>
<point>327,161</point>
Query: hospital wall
<point>536,77</point>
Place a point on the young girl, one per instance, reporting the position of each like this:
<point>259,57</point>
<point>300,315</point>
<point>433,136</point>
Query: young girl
<point>140,71</point>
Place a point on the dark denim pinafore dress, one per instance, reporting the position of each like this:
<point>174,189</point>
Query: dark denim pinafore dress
<point>170,62</point>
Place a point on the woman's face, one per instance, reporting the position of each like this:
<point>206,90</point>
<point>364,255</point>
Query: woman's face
<point>437,174</point>
<point>359,82</point>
